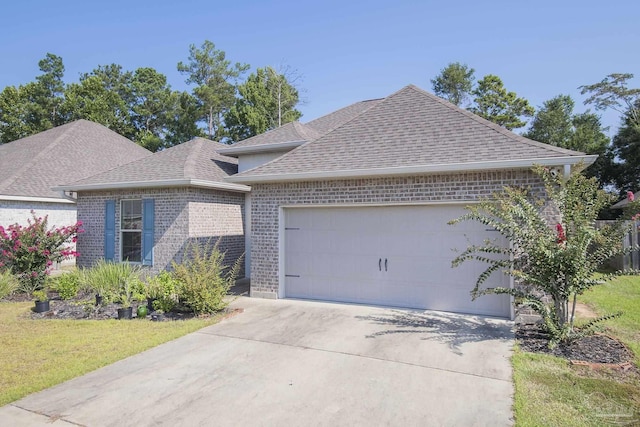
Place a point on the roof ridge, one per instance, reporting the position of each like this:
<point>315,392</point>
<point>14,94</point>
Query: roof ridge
<point>354,117</point>
<point>490,124</point>
<point>7,182</point>
<point>192,157</point>
<point>288,153</point>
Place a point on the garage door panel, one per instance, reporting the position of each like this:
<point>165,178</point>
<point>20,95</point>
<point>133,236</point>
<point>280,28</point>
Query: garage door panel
<point>298,287</point>
<point>339,253</point>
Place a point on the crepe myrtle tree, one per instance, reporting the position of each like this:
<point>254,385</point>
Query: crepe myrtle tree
<point>30,251</point>
<point>552,262</point>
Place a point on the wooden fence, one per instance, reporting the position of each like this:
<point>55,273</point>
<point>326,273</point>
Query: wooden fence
<point>632,260</point>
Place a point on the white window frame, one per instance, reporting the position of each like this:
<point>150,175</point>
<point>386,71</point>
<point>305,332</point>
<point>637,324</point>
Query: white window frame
<point>125,230</point>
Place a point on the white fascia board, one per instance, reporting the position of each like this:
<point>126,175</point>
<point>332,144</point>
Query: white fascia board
<point>35,199</point>
<point>264,148</point>
<point>156,184</point>
<point>419,169</point>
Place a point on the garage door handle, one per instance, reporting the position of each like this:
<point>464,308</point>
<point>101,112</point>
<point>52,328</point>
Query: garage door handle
<point>380,264</point>
<point>385,264</point>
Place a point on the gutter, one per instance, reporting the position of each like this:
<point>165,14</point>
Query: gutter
<point>419,169</point>
<point>156,184</point>
<point>264,148</point>
<point>37,199</point>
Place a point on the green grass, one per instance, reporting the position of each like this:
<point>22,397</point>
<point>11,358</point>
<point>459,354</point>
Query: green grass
<point>622,294</point>
<point>550,392</point>
<point>37,354</point>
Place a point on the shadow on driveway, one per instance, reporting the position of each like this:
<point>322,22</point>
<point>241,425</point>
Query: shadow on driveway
<point>451,329</point>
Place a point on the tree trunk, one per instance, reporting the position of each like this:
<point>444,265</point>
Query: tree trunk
<point>210,122</point>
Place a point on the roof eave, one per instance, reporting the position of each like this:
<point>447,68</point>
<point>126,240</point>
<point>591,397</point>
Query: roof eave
<point>9,197</point>
<point>215,185</point>
<point>419,169</point>
<point>265,148</point>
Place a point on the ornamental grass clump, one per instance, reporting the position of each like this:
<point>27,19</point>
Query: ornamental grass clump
<point>552,263</point>
<point>8,283</point>
<point>114,282</point>
<point>204,279</point>
<point>29,252</point>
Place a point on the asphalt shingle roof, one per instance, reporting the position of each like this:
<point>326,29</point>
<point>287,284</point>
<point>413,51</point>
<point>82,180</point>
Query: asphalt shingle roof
<point>298,132</point>
<point>331,121</point>
<point>196,159</point>
<point>31,166</point>
<point>290,132</point>
<point>408,128</point>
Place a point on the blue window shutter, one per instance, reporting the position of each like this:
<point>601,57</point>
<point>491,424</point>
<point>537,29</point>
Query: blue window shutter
<point>110,230</point>
<point>148,219</point>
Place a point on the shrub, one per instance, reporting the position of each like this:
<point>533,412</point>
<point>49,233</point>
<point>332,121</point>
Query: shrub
<point>555,260</point>
<point>29,252</point>
<point>204,279</point>
<point>8,283</point>
<point>164,289</point>
<point>40,295</point>
<point>67,285</point>
<point>113,281</point>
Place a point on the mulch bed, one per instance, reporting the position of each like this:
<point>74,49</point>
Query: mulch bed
<point>595,349</point>
<point>83,307</point>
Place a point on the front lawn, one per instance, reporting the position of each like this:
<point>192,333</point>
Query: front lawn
<point>37,354</point>
<point>550,392</point>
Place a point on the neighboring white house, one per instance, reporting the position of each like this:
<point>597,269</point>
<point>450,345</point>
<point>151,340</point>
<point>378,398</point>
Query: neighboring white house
<point>31,166</point>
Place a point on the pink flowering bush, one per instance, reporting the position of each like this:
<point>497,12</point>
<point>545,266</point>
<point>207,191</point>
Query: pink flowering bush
<point>29,252</point>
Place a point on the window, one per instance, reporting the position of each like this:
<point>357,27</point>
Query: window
<point>131,230</point>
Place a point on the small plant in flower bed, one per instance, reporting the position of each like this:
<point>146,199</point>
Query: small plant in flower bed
<point>29,252</point>
<point>163,289</point>
<point>204,279</point>
<point>67,285</point>
<point>40,295</point>
<point>113,282</point>
<point>8,283</point>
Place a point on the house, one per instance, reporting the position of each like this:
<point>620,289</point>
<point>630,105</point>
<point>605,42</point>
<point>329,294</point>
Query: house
<point>354,207</point>
<point>149,210</point>
<point>31,166</point>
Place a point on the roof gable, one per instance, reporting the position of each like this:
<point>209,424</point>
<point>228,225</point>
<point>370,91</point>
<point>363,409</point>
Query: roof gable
<point>30,166</point>
<point>409,130</point>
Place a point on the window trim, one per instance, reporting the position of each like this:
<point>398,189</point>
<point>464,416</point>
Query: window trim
<point>127,230</point>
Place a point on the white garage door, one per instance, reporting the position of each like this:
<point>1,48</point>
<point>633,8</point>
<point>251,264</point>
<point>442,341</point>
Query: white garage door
<point>396,256</point>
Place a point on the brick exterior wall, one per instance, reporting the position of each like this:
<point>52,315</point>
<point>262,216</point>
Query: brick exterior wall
<point>268,198</point>
<point>181,215</point>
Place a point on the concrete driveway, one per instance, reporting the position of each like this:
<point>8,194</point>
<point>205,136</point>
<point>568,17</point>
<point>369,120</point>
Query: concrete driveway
<point>298,363</point>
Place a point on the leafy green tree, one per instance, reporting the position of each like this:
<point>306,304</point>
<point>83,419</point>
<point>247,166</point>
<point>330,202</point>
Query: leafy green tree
<point>35,106</point>
<point>215,78</point>
<point>50,89</point>
<point>120,99</point>
<point>14,113</point>
<point>496,104</point>
<point>267,100</point>
<point>182,120</point>
<point>612,92</point>
<point>626,148</point>
<point>552,123</point>
<point>559,260</point>
<point>454,83</point>
<point>150,110</point>
<point>90,100</point>
<point>555,123</point>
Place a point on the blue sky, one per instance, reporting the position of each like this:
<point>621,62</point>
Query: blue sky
<point>346,51</point>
